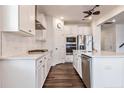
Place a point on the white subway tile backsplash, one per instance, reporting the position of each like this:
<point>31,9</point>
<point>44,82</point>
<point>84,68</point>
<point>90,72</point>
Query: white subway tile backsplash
<point>13,44</point>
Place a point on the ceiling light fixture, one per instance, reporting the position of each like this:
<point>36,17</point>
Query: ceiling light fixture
<point>113,20</point>
<point>90,18</point>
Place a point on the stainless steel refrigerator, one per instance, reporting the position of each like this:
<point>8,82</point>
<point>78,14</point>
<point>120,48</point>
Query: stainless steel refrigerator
<point>85,42</point>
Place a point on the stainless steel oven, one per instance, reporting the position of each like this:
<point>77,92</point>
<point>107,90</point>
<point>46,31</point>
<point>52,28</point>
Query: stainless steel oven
<point>70,48</point>
<point>70,45</point>
<point>86,61</point>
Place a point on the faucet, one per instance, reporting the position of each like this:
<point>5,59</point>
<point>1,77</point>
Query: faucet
<point>121,45</point>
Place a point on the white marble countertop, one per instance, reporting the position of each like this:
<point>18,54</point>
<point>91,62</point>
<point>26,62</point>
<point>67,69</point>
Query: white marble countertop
<point>103,54</point>
<point>24,56</point>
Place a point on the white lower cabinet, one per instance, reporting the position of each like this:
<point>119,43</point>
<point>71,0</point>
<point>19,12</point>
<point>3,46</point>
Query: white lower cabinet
<point>40,74</point>
<point>77,62</point>
<point>123,74</point>
<point>79,66</point>
<point>107,73</point>
<point>44,65</point>
<point>24,73</point>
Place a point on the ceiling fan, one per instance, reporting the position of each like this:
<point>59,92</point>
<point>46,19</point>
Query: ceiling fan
<point>91,12</point>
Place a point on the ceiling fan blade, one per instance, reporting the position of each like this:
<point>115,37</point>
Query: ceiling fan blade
<point>87,15</point>
<point>83,19</point>
<point>94,7</point>
<point>96,13</point>
<point>87,12</point>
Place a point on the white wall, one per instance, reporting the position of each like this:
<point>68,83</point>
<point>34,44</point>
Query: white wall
<point>119,37</point>
<point>0,44</point>
<point>96,31</point>
<point>49,37</point>
<point>112,38</point>
<point>75,29</point>
<point>108,38</point>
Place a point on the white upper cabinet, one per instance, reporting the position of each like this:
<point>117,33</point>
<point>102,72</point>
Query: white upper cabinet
<point>16,18</point>
<point>74,30</point>
<point>71,30</point>
<point>84,30</point>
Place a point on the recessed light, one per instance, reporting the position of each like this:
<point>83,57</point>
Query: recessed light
<point>61,17</point>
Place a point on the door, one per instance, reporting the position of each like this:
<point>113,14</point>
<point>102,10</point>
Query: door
<point>59,43</point>
<point>59,48</point>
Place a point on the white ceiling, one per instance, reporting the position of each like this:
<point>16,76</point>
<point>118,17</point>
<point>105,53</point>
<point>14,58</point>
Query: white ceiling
<point>73,13</point>
<point>119,20</point>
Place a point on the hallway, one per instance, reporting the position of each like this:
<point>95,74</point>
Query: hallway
<point>63,76</point>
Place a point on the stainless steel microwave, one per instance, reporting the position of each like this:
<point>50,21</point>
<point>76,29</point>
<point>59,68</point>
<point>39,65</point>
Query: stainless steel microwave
<point>71,39</point>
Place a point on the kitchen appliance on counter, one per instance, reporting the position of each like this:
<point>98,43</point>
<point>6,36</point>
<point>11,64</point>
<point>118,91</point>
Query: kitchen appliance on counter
<point>84,42</point>
<point>86,61</point>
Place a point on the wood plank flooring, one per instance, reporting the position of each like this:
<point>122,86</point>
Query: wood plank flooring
<point>63,76</point>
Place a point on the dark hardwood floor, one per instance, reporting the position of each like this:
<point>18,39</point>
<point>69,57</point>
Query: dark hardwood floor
<point>63,76</point>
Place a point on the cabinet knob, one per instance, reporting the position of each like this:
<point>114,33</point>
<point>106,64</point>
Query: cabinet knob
<point>41,61</point>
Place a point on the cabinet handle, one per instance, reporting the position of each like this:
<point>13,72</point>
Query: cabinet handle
<point>29,30</point>
<point>44,57</point>
<point>43,66</point>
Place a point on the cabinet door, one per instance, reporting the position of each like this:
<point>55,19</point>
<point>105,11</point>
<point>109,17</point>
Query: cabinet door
<point>107,73</point>
<point>41,75</point>
<point>46,67</point>
<point>27,18</point>
<point>31,15</point>
<point>74,58</point>
<point>49,64</point>
<point>9,18</point>
<point>24,18</point>
<point>76,63</point>
<point>79,66</point>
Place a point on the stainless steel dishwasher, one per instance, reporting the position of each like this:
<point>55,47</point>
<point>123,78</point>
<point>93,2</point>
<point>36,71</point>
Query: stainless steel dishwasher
<point>86,60</point>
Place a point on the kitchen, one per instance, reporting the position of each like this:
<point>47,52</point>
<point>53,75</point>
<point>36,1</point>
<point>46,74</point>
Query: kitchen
<point>36,38</point>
